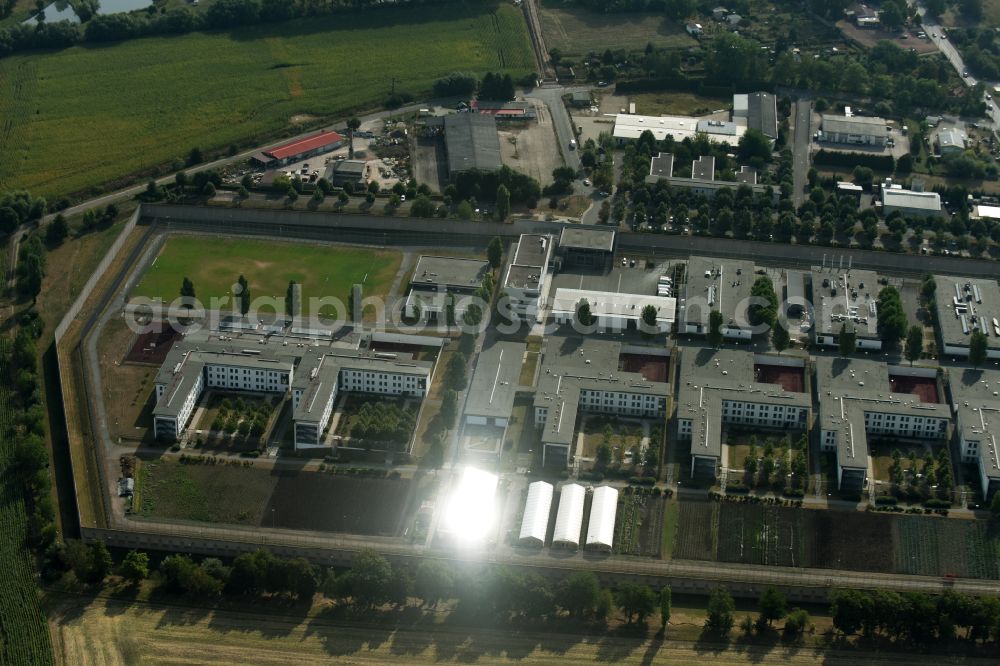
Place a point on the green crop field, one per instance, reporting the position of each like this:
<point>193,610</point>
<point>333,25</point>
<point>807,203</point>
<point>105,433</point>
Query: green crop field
<point>86,116</point>
<point>24,635</point>
<point>214,266</point>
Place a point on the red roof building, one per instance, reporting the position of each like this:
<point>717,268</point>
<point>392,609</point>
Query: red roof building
<point>316,143</point>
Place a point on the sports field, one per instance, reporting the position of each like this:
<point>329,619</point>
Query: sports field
<point>576,31</point>
<point>214,265</point>
<point>87,116</point>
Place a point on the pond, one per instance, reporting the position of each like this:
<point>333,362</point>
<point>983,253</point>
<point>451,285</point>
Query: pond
<point>120,6</point>
<point>57,11</point>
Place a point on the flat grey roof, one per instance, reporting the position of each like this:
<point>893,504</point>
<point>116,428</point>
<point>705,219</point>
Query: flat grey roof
<point>952,305</point>
<point>834,311</point>
<point>795,287</point>
<point>709,376</point>
<point>451,272</point>
<point>703,168</point>
<point>495,380</point>
<point>746,175</point>
<point>862,125</point>
<point>762,114</point>
<point>662,165</point>
<point>726,288</point>
<point>532,250</point>
<point>472,142</point>
<point>572,364</point>
<point>578,238</point>
<point>976,395</point>
<point>849,387</point>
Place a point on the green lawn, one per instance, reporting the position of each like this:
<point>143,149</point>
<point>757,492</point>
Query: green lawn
<point>87,116</point>
<point>202,492</point>
<point>577,32</point>
<point>214,267</point>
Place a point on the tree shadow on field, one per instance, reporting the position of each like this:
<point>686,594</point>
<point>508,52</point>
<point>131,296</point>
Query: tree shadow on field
<point>711,642</point>
<point>283,615</point>
<point>367,630</point>
<point>757,648</point>
<point>619,644</point>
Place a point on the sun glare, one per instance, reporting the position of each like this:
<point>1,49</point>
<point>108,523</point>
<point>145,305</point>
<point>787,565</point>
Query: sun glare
<point>471,510</point>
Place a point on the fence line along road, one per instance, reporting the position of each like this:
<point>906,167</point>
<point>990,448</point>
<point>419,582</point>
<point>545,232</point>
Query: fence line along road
<point>388,230</point>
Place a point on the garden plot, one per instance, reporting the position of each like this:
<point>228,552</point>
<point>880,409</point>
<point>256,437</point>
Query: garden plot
<point>695,530</point>
<point>761,534</point>
<point>639,524</point>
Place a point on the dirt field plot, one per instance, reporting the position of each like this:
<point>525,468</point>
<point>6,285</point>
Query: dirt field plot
<point>532,147</point>
<point>925,387</point>
<point>652,368</point>
<point>152,347</point>
<point>696,530</point>
<point>849,540</point>
<point>791,379</point>
<point>429,162</point>
<point>127,388</point>
<point>916,546</point>
<point>338,503</point>
<point>759,534</point>
<point>255,497</point>
<point>578,31</point>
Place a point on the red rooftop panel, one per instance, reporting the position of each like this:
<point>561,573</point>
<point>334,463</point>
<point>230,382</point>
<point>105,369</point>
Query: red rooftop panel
<point>304,145</point>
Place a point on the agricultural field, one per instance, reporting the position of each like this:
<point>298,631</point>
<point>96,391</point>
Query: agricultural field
<point>576,31</point>
<point>245,495</point>
<point>752,533</point>
<point>87,116</point>
<point>322,270</point>
<point>24,637</point>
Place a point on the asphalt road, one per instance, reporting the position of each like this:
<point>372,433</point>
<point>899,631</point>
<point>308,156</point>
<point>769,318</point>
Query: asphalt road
<point>800,149</point>
<point>936,34</point>
<point>552,97</point>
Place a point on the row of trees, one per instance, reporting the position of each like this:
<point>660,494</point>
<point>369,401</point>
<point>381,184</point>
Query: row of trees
<point>507,595</point>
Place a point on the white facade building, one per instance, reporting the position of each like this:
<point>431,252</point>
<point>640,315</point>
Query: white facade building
<point>535,521</point>
<point>569,519</point>
<point>601,526</point>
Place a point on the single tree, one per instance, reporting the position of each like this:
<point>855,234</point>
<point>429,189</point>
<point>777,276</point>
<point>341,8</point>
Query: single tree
<point>503,203</point>
<point>243,294</point>
<point>578,594</point>
<point>649,317</point>
<point>352,126</point>
<point>665,607</point>
<point>368,579</point>
<point>847,340</point>
<point>773,605</point>
<point>101,563</point>
<point>779,337</point>
<point>494,252</point>
<point>449,407</point>
<point>796,622</point>
<point>583,316</point>
<point>187,291</point>
<point>720,612</point>
<point>636,601</point>
<point>603,455</point>
<point>292,302</point>
<point>978,348</point>
<point>134,567</point>
<point>455,372</point>
<point>715,334</point>
<point>57,231</point>
<point>433,582</point>
<point>914,344</point>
